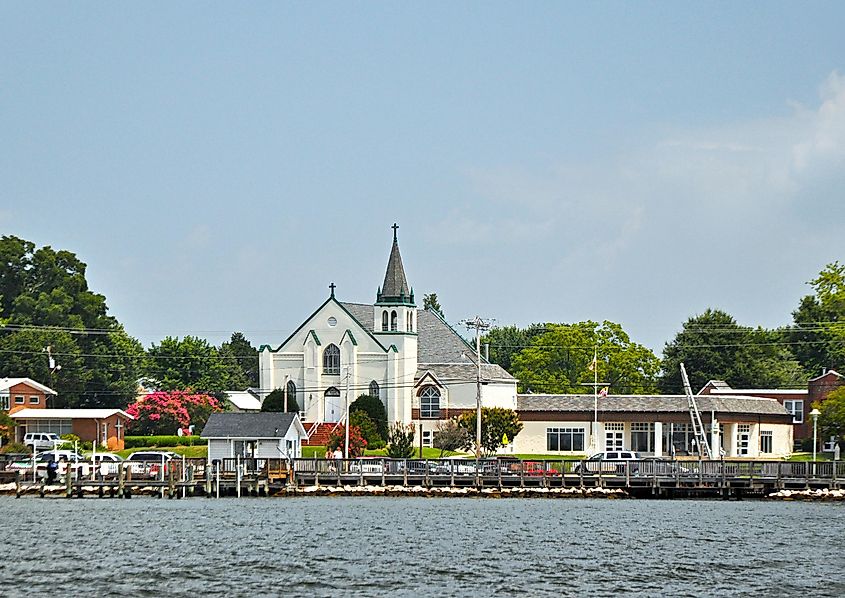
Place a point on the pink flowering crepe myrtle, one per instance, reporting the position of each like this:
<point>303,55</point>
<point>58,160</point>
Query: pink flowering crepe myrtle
<point>163,412</point>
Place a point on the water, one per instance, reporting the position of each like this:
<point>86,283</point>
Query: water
<point>419,547</point>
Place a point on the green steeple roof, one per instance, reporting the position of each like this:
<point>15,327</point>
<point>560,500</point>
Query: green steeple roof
<point>395,288</point>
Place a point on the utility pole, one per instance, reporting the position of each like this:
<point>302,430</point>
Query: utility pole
<point>478,324</point>
<point>346,452</point>
<point>286,392</point>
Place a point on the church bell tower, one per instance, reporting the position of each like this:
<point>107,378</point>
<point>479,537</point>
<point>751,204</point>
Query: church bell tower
<point>395,326</point>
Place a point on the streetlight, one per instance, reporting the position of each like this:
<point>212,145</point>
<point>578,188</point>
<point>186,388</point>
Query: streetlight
<point>815,413</point>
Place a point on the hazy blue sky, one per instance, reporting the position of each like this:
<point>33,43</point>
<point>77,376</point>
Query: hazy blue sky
<point>217,166</point>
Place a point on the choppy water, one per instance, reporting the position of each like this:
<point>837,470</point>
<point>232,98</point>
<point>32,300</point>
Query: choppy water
<point>418,547</point>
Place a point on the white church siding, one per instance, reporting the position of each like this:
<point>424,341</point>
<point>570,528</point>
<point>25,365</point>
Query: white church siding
<point>369,353</point>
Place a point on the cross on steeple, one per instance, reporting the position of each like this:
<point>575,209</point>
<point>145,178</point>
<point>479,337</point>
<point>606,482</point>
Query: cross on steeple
<point>395,227</point>
<point>332,287</point>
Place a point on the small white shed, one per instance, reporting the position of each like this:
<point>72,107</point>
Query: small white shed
<point>263,435</point>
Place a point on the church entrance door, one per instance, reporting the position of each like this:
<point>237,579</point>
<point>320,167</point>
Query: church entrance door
<point>333,409</point>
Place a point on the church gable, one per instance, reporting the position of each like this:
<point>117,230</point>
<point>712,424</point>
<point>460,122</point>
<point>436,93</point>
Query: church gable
<point>331,323</point>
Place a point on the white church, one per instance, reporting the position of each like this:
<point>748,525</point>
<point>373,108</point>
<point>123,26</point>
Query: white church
<point>418,365</point>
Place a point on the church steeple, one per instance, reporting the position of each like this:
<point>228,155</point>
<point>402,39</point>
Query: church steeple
<point>395,288</point>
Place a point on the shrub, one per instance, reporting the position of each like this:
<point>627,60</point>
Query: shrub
<point>362,421</point>
<point>357,443</point>
<point>275,401</point>
<point>374,408</point>
<point>15,447</point>
<point>150,441</point>
<point>400,441</point>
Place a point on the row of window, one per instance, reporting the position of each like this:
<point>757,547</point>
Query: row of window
<point>679,436</point>
<point>391,322</point>
<point>19,400</point>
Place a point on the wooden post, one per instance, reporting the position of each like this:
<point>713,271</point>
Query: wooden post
<point>405,473</point>
<point>383,470</point>
<point>120,479</point>
<point>171,482</point>
<point>521,474</point>
<point>68,484</point>
<point>17,484</point>
<point>426,480</point>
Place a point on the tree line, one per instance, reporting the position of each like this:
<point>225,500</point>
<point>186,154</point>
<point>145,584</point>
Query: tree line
<point>556,358</point>
<point>45,303</point>
<point>57,331</point>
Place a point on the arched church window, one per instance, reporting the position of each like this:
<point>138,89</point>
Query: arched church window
<point>374,389</point>
<point>394,321</point>
<point>331,360</point>
<point>430,402</point>
<point>291,390</point>
<point>384,321</point>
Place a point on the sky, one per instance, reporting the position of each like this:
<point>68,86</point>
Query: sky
<point>216,166</point>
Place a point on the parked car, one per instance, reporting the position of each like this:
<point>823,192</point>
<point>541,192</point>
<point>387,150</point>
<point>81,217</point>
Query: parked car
<point>107,463</point>
<point>149,463</point>
<point>366,465</point>
<point>67,460</point>
<point>609,462</point>
<point>39,441</point>
<point>661,466</point>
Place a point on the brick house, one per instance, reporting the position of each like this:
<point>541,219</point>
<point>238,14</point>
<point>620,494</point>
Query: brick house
<point>23,393</point>
<point>106,426</point>
<point>799,402</point>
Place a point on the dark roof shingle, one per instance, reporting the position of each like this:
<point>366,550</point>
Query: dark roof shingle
<point>248,425</point>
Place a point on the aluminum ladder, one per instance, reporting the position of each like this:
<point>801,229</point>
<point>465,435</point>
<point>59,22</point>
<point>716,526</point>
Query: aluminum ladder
<point>695,417</point>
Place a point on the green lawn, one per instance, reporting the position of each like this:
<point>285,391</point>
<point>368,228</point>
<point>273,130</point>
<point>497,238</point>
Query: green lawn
<point>809,457</point>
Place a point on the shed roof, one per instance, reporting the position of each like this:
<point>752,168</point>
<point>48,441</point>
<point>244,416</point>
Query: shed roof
<point>650,403</point>
<point>248,425</point>
<point>244,400</point>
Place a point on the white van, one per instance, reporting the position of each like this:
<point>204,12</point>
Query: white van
<point>42,440</point>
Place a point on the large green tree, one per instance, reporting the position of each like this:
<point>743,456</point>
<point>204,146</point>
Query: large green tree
<point>817,337</point>
<point>192,363</point>
<point>239,350</point>
<point>497,424</point>
<point>713,346</point>
<point>45,301</point>
<point>832,418</point>
<point>275,401</point>
<point>558,360</point>
<point>507,341</point>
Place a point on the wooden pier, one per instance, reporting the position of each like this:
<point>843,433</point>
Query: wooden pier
<point>276,477</point>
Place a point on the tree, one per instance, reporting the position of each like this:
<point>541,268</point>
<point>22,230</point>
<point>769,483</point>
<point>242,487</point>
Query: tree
<point>507,341</point>
<point>7,428</point>
<point>45,300</point>
<point>431,303</point>
<point>496,424</point>
<point>192,363</point>
<point>449,436</point>
<point>818,335</point>
<point>163,413</point>
<point>357,443</point>
<point>400,441</point>
<point>241,351</point>
<point>359,419</point>
<point>557,360</point>
<point>713,346</point>
<point>832,418</point>
<point>374,408</point>
<point>275,401</point>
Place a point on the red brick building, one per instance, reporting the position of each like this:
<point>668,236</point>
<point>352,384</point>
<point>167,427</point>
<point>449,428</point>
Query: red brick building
<point>799,402</point>
<point>23,393</point>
